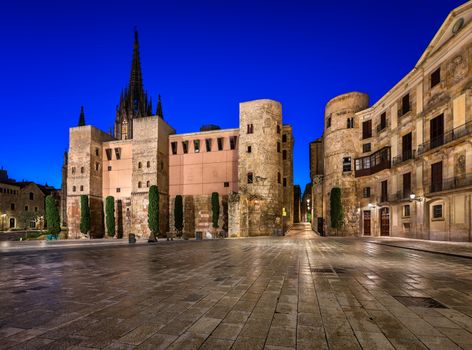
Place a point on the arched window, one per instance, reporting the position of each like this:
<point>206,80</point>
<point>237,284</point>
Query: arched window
<point>139,184</point>
<point>140,165</point>
<point>148,184</point>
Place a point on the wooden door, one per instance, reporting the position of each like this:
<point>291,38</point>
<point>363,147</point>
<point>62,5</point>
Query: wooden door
<point>384,222</point>
<point>366,222</point>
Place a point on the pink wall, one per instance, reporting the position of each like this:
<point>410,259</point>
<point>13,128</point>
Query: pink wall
<point>120,175</point>
<point>201,173</point>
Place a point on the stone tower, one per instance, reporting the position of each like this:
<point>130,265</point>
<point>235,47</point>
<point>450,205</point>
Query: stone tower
<point>341,140</point>
<point>260,168</point>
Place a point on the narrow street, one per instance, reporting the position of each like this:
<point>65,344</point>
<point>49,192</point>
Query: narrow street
<point>299,291</point>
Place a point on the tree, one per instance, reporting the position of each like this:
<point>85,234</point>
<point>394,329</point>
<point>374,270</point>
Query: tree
<point>52,216</point>
<point>178,214</point>
<point>25,218</point>
<point>84,214</point>
<point>110,215</point>
<point>215,209</point>
<point>336,208</point>
<point>153,213</point>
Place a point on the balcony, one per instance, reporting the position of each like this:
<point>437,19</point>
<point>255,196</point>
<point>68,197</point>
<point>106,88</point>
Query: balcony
<point>402,195</point>
<point>448,184</point>
<point>374,163</point>
<point>381,127</point>
<point>450,136</point>
<point>406,155</point>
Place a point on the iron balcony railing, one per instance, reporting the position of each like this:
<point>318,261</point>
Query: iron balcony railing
<point>381,127</point>
<point>373,163</point>
<point>451,135</point>
<point>406,155</point>
<point>450,184</point>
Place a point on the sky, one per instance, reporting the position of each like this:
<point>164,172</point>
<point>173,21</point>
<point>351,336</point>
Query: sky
<point>203,57</point>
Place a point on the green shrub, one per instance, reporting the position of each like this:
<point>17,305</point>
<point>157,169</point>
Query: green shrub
<point>52,216</point>
<point>84,214</point>
<point>110,215</point>
<point>336,208</point>
<point>153,212</point>
<point>215,209</point>
<point>178,214</point>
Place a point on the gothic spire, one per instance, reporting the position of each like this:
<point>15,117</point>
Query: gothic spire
<point>81,117</point>
<point>136,89</point>
<point>159,107</point>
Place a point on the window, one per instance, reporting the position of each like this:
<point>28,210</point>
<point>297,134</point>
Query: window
<point>220,142</point>
<point>31,196</point>
<point>108,153</point>
<point>407,152</point>
<point>284,154</point>
<point>435,77</point>
<point>118,190</point>
<point>384,191</point>
<point>118,153</point>
<point>173,146</point>
<point>406,185</point>
<point>347,164</point>
<point>208,145</point>
<point>226,184</point>
<point>250,178</point>
<point>81,188</point>
<point>249,149</point>
<point>26,208</point>
<point>366,192</point>
<point>436,131</point>
<point>278,129</point>
<point>185,146</point>
<point>350,123</point>
<point>148,164</point>
<point>139,184</point>
<point>285,182</point>
<point>367,129</point>
<point>383,121</point>
<point>405,104</point>
<point>279,178</point>
<point>148,183</point>
<point>406,210</point>
<point>328,122</point>
<point>73,188</point>
<point>96,152</point>
<point>12,206</point>
<point>284,138</point>
<point>140,165</point>
<point>232,142</point>
<point>366,147</point>
<point>250,128</point>
<point>32,224</point>
<point>97,166</point>
<point>437,211</point>
<point>109,168</point>
<point>82,170</point>
<point>278,147</point>
<point>196,146</point>
<point>436,177</point>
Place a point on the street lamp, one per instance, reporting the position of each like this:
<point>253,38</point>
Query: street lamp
<point>371,205</point>
<point>414,198</point>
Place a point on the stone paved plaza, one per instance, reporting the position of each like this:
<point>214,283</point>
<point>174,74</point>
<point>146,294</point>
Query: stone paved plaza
<point>299,291</point>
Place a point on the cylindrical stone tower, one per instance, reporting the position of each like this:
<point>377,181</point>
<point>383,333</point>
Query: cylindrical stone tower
<point>341,146</point>
<point>260,167</point>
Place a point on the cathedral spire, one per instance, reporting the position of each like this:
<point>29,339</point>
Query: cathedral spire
<point>136,89</point>
<point>159,107</point>
<point>81,116</point>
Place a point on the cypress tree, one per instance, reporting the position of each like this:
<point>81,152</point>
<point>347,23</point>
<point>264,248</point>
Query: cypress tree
<point>336,208</point>
<point>178,214</point>
<point>215,208</point>
<point>52,216</point>
<point>110,215</point>
<point>153,213</point>
<point>84,214</point>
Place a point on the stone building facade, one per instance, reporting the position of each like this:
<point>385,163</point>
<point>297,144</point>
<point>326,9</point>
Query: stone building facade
<point>250,167</point>
<point>404,164</point>
<point>22,203</point>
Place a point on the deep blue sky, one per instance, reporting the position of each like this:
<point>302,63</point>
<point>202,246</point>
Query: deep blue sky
<point>203,57</point>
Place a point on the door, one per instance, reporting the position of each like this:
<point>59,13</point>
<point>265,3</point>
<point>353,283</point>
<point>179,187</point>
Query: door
<point>384,222</point>
<point>12,222</point>
<point>406,147</point>
<point>436,177</point>
<point>436,131</point>
<point>320,226</point>
<point>366,222</point>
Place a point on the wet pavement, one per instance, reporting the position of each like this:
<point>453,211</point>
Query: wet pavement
<point>298,291</point>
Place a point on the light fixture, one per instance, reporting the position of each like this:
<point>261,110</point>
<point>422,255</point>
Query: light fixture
<point>414,198</point>
<point>371,205</point>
